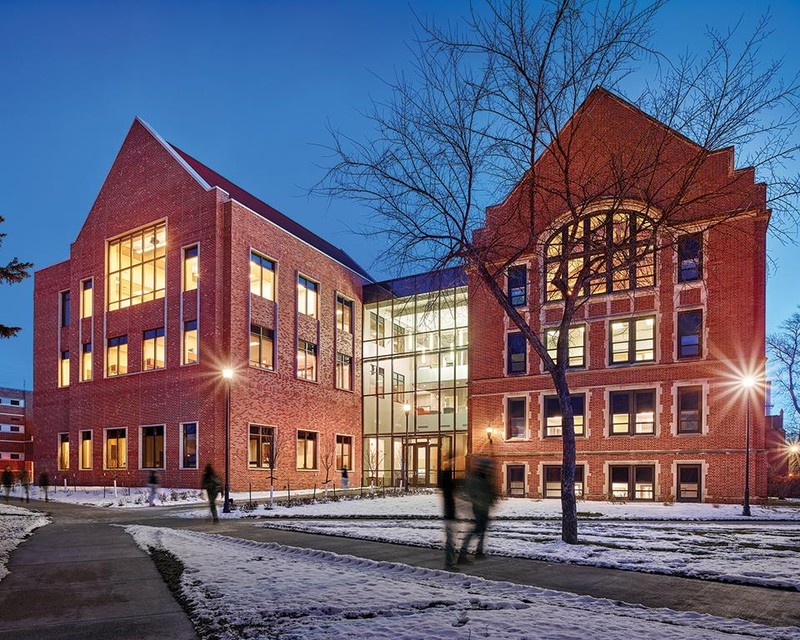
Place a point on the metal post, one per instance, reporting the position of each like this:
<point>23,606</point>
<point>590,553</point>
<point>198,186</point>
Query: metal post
<point>405,456</point>
<point>226,507</point>
<point>746,507</point>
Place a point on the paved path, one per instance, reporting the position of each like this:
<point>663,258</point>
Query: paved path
<point>82,577</point>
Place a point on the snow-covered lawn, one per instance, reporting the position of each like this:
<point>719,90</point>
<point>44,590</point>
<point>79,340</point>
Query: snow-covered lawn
<point>15,525</point>
<point>244,589</point>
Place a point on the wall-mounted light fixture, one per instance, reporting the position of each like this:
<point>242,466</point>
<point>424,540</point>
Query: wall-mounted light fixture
<point>489,432</point>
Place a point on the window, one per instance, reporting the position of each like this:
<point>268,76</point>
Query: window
<point>189,445</point>
<point>618,246</point>
<point>518,285</point>
<point>576,345</point>
<point>262,276</point>
<point>377,380</point>
<point>690,402</point>
<point>516,356</point>
<point>689,483</point>
<point>153,447</point>
<point>306,450</point>
<point>344,452</point>
<point>344,314</point>
<point>633,412</point>
<point>307,297</point>
<point>690,257</point>
<point>86,362</point>
<point>306,360</point>
<point>399,339</point>
<point>633,482</point>
<point>552,481</point>
<point>116,449</point>
<point>63,451</point>
<point>65,308</point>
<point>344,372</point>
<point>137,267</point>
<point>85,461</point>
<point>190,272</point>
<point>377,327</point>
<point>117,356</point>
<point>153,349</point>
<point>515,480</point>
<point>398,382</point>
<point>690,327</point>
<point>86,298</point>
<point>260,447</point>
<point>190,350</point>
<point>63,370</point>
<point>552,415</point>
<point>632,340</point>
<point>262,347</point>
<point>516,418</point>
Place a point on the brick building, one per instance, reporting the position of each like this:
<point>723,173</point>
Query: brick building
<point>176,275</point>
<point>657,352</point>
<point>16,434</point>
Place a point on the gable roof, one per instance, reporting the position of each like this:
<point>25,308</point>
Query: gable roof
<point>208,179</point>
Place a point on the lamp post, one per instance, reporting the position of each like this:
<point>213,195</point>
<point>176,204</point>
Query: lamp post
<point>227,375</point>
<point>748,382</point>
<point>404,464</point>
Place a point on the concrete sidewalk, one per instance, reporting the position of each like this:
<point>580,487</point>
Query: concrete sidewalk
<point>80,578</point>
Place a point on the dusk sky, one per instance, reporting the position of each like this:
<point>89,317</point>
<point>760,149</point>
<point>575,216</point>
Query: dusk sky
<point>248,89</point>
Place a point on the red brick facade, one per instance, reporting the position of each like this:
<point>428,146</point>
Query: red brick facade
<point>150,182</point>
<point>16,433</point>
<point>731,296</point>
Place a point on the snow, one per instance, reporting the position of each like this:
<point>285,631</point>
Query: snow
<point>244,589</point>
<point>16,523</point>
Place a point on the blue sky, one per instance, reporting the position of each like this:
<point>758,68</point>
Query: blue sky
<point>247,88</point>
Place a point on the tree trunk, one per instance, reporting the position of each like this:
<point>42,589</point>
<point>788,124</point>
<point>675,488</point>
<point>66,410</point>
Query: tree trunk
<point>569,507</point>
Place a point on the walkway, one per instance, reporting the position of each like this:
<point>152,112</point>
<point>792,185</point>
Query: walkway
<point>80,576</point>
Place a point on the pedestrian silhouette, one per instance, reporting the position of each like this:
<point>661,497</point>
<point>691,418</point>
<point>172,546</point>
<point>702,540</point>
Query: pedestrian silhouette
<point>212,486</point>
<point>25,481</point>
<point>480,492</point>
<point>44,483</point>
<point>152,482</point>
<point>345,478</point>
<point>7,480</point>
<point>447,483</point>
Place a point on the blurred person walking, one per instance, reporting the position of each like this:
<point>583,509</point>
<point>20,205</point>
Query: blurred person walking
<point>152,483</point>
<point>44,483</point>
<point>7,480</point>
<point>213,486</point>
<point>447,483</point>
<point>25,481</point>
<point>480,492</point>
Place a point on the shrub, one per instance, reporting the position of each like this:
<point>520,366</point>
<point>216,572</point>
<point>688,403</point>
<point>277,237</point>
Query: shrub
<point>787,486</point>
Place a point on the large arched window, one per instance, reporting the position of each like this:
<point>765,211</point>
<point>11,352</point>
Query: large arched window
<point>616,247</point>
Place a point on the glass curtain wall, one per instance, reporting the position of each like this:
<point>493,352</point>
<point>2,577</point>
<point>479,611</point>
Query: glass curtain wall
<point>415,386</point>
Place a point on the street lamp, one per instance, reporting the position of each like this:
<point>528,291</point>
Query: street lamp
<point>748,382</point>
<point>489,432</point>
<point>403,464</point>
<point>227,375</point>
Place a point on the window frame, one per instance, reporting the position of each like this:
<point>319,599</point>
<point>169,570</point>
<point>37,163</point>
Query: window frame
<point>633,405</point>
<point>64,369</point>
<point>340,372</point>
<point>84,352</point>
<point>184,351</point>
<point>186,284</point>
<point>155,436</point>
<point>106,457</point>
<point>114,246</point>
<point>315,450</point>
<point>633,339</point>
<point>344,451</point>
<point>87,285</point>
<point>574,397</point>
<point>509,355</point>
<point>303,348</point>
<point>343,303</point>
<point>553,332</point>
<point>515,298</point>
<point>266,434</point>
<point>511,493</point>
<point>264,263</point>
<point>681,392</point>
<point>119,341</point>
<point>62,462</point>
<point>679,335</point>
<point>695,263</point>
<point>304,282</point>
<point>182,444</point>
<point>578,467</point>
<point>262,334</point>
<point>158,337</point>
<point>508,418</point>
<point>679,466</point>
<point>64,308</point>
<point>82,466</point>
<point>632,481</point>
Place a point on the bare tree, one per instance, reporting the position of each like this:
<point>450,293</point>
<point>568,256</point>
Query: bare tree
<point>784,347</point>
<point>328,462</point>
<point>13,272</point>
<point>512,104</point>
<point>373,460</point>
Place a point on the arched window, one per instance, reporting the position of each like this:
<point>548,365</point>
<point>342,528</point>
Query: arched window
<point>618,248</point>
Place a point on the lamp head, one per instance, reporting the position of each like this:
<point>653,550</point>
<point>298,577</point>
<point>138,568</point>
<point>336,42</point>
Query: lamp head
<point>748,381</point>
<point>489,432</point>
<point>227,374</point>
<point>406,408</point>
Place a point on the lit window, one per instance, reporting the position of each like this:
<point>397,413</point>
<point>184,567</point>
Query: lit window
<point>344,372</point>
<point>117,356</point>
<point>516,354</point>
<point>87,288</point>
<point>690,329</point>
<point>552,481</point>
<point>632,412</point>
<point>190,268</point>
<point>85,461</point>
<point>153,349</point>
<point>553,418</point>
<point>377,327</point>
<point>307,297</point>
<point>516,418</point>
<point>690,403</point>
<point>344,314</point>
<point>690,257</point>
<point>262,348</point>
<point>63,370</point>
<point>515,480</point>
<point>137,267</point>
<point>260,447</point>
<point>63,451</point>
<point>116,449</point>
<point>518,285</point>
<point>86,362</point>
<point>633,482</point>
<point>306,360</point>
<point>632,340</point>
<point>262,276</point>
<point>189,445</point>
<point>689,483</point>
<point>190,350</point>
<point>306,450</point>
<point>153,447</point>
<point>344,452</point>
<point>576,345</point>
<point>65,308</point>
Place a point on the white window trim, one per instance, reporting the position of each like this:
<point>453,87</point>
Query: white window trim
<point>80,450</point>
<point>655,386</point>
<point>180,444</point>
<point>527,493</point>
<point>274,444</point>
<point>105,449</point>
<point>316,450</point>
<point>504,416</point>
<point>704,412</point>
<point>142,427</point>
<point>703,477</point>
